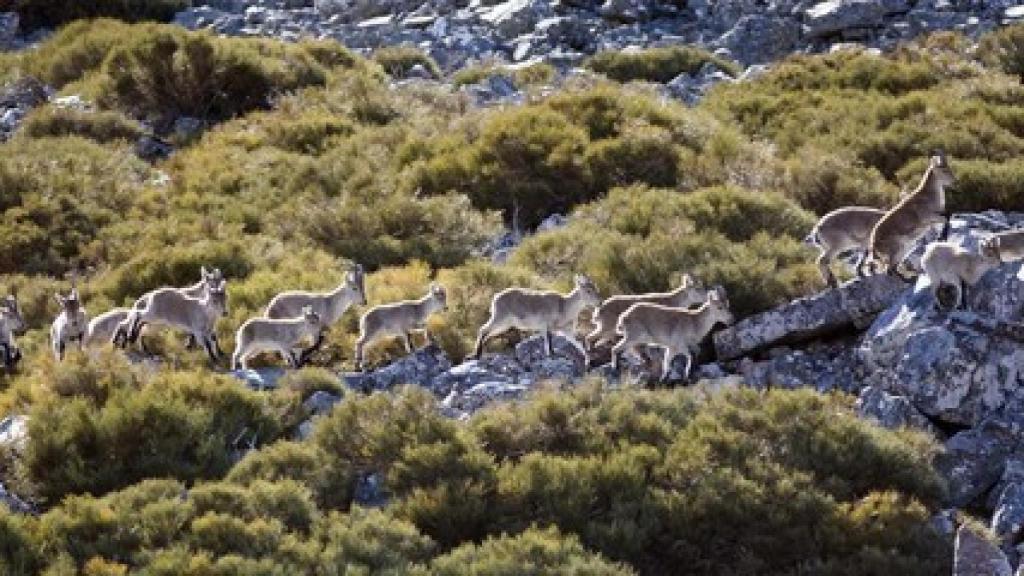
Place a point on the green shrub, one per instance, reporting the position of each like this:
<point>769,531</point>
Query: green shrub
<point>1004,49</point>
<point>397,61</point>
<point>329,480</point>
<point>176,424</point>
<point>17,554</point>
<point>656,64</point>
<point>209,78</point>
<point>98,126</point>
<point>79,49</point>
<point>542,551</point>
<point>39,13</point>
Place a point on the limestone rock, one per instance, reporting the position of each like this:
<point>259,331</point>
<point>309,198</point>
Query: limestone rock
<point>975,556</point>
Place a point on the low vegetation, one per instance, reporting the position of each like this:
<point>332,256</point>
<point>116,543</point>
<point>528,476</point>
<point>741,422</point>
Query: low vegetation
<point>657,64</point>
<point>584,481</point>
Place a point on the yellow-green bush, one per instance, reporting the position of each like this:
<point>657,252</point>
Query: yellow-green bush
<point>1004,48</point>
<point>101,127</point>
<point>656,64</point>
<point>209,78</point>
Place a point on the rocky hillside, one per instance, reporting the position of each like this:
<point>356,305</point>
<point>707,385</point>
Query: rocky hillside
<point>861,430</point>
<point>454,32</point>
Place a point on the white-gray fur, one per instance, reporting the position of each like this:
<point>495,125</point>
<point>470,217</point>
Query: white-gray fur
<point>677,330</point>
<point>195,316</point>
<point>948,263</point>
<point>101,329</point>
<point>606,316</point>
<point>843,230</point>
<point>11,321</point>
<point>539,310</point>
<point>281,335</point>
<point>69,325</point>
<point>895,234</point>
<point>328,305</point>
<point>398,319</point>
<point>208,278</point>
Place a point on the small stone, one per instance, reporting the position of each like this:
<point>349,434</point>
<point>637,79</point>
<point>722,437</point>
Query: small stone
<point>974,555</point>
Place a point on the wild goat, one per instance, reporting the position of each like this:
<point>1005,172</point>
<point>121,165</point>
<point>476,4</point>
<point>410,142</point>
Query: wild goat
<point>1007,246</point>
<point>947,263</point>
<point>69,325</point>
<point>170,307</point>
<point>398,319</point>
<point>329,306</point>
<point>539,310</point>
<point>11,321</point>
<point>895,233</point>
<point>208,278</point>
<point>607,314</point>
<point>677,330</point>
<point>101,329</point>
<point>841,231</point>
<point>280,335</point>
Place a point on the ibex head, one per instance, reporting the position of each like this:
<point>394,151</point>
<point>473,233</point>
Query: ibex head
<point>989,248</point>
<point>719,303</point>
<point>438,293</point>
<point>940,168</point>
<point>12,312</point>
<point>70,305</point>
<point>217,292</point>
<point>588,290</point>
<point>211,276</point>
<point>356,280</point>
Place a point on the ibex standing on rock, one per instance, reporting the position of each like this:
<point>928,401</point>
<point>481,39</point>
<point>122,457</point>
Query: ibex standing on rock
<point>535,310</point>
<point>895,233</point>
<point>282,335</point>
<point>69,325</point>
<point>195,316</point>
<point>606,317</point>
<point>399,319</point>
<point>677,330</point>
<point>947,263</point>
<point>840,231</point>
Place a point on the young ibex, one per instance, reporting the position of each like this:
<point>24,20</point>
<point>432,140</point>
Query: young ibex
<point>282,335</point>
<point>101,329</point>
<point>11,321</point>
<point>677,330</point>
<point>208,278</point>
<point>1007,246</point>
<point>894,235</point>
<point>841,231</point>
<point>947,263</point>
<point>546,311</point>
<point>329,306</point>
<point>606,316</point>
<point>398,319</point>
<point>196,316</point>
<point>69,325</point>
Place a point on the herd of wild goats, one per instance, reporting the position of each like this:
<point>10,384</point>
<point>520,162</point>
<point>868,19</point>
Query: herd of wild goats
<point>676,321</point>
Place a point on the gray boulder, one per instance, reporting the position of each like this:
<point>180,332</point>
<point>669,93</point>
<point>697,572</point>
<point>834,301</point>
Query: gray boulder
<point>1008,518</point>
<point>566,359</point>
<point>420,368</point>
<point>320,402</point>
<point>834,16</point>
<point>975,555</point>
<point>891,411</point>
<point>757,38</point>
<point>854,304</point>
<point>13,503</point>
<point>14,432</point>
<point>8,29</point>
<point>974,460</point>
<point>260,378</point>
<point>514,18</point>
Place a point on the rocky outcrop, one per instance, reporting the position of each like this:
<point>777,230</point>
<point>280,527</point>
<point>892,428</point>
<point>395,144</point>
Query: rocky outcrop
<point>854,304</point>
<point>17,99</point>
<point>8,29</point>
<point>977,556</point>
<point>564,32</point>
